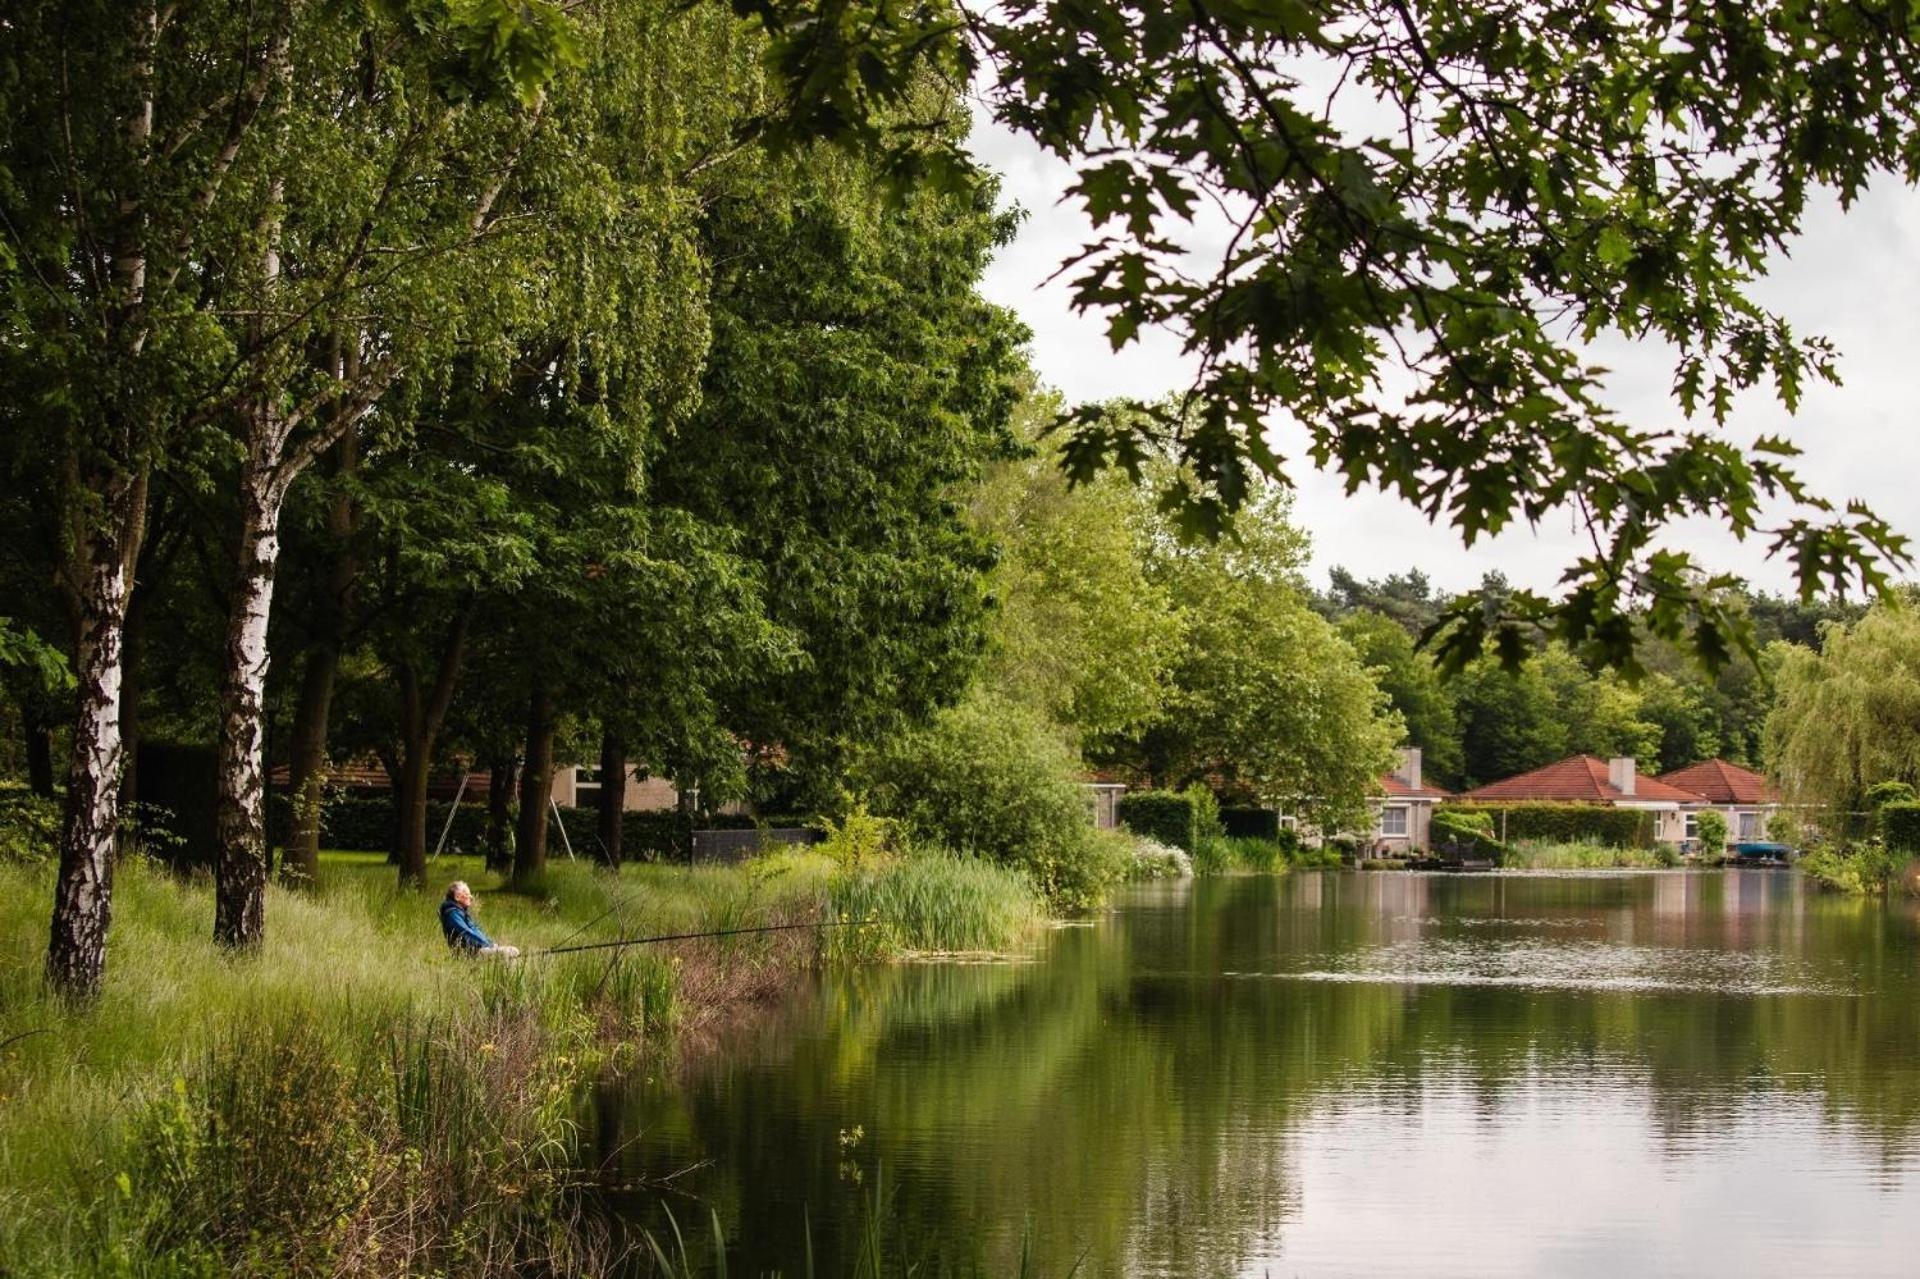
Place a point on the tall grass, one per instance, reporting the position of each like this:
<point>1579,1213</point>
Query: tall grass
<point>352,1099</point>
<point>931,902</point>
<point>1230,854</point>
<point>1528,855</point>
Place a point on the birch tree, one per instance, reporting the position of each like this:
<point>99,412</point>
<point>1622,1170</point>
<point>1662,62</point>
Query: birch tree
<point>162,274</point>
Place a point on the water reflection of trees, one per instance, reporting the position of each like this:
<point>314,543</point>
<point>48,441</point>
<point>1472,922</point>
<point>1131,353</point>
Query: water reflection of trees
<point>1132,1100</point>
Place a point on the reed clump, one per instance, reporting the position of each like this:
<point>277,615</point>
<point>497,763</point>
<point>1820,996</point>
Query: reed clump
<point>930,902</point>
<point>1543,855</point>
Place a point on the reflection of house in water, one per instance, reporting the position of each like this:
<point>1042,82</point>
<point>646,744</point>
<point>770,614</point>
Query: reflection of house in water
<point>1676,894</point>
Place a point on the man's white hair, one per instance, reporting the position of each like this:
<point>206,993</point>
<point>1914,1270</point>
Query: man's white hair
<point>459,888</point>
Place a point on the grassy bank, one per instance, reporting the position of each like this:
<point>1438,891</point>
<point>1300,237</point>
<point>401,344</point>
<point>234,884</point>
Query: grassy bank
<point>355,1100</point>
<point>1246,854</point>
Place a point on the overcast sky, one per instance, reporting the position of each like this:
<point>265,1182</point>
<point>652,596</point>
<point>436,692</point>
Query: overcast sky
<point>1854,277</point>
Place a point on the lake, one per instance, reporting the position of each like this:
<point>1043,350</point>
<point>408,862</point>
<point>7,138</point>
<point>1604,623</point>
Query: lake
<point>1331,1073</point>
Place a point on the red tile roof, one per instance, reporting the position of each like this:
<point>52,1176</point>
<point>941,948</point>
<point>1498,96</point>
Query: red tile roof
<point>1723,783</point>
<point>1396,788</point>
<point>1581,779</point>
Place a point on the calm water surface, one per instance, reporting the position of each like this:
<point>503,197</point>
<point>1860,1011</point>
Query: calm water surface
<point>1337,1074</point>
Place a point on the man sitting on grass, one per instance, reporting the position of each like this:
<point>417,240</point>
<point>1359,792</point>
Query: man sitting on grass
<point>456,921</point>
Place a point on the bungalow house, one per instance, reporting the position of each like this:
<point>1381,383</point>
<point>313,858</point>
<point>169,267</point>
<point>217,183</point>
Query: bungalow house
<point>1403,809</point>
<point>1747,798</point>
<point>1585,779</point>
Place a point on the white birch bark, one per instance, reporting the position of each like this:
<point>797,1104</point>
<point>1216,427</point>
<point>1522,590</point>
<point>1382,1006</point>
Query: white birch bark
<point>241,872</point>
<point>109,520</point>
<point>82,904</point>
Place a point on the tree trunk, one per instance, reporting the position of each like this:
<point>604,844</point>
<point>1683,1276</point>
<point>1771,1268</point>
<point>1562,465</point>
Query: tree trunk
<point>536,789</point>
<point>240,877</point>
<point>415,772</point>
<point>39,756</point>
<point>613,796</point>
<point>500,780</point>
<point>132,652</point>
<point>111,504</point>
<point>390,764</point>
<point>240,873</point>
<point>307,767</point>
<point>82,896</point>
<point>306,773</point>
<point>424,716</point>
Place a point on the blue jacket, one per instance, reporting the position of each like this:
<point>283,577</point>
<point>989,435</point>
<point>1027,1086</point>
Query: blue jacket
<point>462,933</point>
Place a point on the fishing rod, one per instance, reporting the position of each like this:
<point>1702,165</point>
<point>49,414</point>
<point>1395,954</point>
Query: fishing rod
<point>718,932</point>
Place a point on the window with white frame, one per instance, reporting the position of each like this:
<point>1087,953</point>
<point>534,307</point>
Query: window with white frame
<point>1393,822</point>
<point>1749,826</point>
<point>1693,826</point>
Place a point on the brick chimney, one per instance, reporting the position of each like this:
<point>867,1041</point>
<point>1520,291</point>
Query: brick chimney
<point>1620,772</point>
<point>1409,770</point>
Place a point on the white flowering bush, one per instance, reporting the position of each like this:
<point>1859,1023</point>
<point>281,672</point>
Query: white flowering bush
<point>1155,860</point>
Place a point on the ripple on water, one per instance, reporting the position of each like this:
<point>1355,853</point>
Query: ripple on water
<point>1546,964</point>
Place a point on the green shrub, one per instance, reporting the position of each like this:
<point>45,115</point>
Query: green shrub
<point>1711,825</point>
<point>1900,827</point>
<point>1172,817</point>
<point>1565,823</point>
<point>859,839</point>
<point>1464,833</point>
<point>1326,857</point>
<point>29,827</point>
<point>991,779</point>
<point>1862,870</point>
<point>1206,811</point>
<point>1880,794</point>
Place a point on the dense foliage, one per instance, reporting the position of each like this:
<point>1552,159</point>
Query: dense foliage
<point>1417,219</point>
<point>1900,828</point>
<point>1566,823</point>
<point>1491,720</point>
<point>1848,715</point>
<point>1711,828</point>
<point>992,779</point>
<point>1172,817</point>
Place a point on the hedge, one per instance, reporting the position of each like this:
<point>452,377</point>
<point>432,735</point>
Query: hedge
<point>1168,816</point>
<point>1250,823</point>
<point>1900,827</point>
<point>1594,823</point>
<point>367,825</point>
